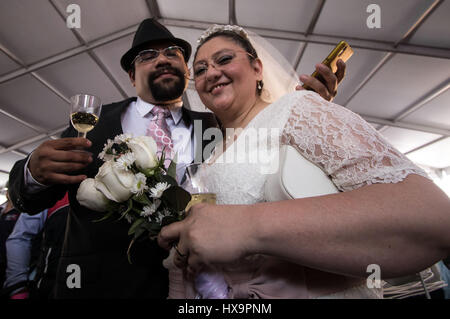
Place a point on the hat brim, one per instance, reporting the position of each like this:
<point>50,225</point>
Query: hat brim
<point>129,56</point>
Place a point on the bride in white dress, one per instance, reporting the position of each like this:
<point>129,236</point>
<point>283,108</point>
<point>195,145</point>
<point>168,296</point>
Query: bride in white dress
<point>387,211</point>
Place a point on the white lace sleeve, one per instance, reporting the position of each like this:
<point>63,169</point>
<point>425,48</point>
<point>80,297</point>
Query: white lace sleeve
<point>344,145</point>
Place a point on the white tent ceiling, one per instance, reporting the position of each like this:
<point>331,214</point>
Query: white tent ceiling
<point>398,79</point>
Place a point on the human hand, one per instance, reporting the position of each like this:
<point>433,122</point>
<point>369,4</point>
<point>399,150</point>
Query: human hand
<point>210,235</point>
<point>53,160</point>
<point>327,90</point>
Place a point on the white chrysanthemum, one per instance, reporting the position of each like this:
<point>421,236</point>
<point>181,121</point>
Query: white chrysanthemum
<point>140,184</point>
<point>125,161</point>
<point>129,218</point>
<point>164,213</point>
<point>123,138</point>
<point>102,155</point>
<point>149,210</point>
<point>159,219</point>
<point>159,189</point>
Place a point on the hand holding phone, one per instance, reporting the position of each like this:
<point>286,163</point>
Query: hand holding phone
<point>342,51</point>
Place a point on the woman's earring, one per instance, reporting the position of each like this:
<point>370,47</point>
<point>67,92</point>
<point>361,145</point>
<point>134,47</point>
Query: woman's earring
<point>259,85</point>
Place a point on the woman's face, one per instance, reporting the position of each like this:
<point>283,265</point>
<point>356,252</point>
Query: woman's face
<point>225,78</point>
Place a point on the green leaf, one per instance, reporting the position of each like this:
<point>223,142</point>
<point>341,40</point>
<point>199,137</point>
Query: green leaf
<point>108,215</point>
<point>152,227</point>
<point>130,206</point>
<point>148,172</point>
<point>139,232</point>
<point>153,233</point>
<point>169,180</point>
<point>112,206</point>
<point>135,225</point>
<point>137,211</point>
<point>172,170</point>
<point>162,158</point>
<point>168,220</point>
<point>142,199</point>
<point>181,215</point>
<point>176,198</point>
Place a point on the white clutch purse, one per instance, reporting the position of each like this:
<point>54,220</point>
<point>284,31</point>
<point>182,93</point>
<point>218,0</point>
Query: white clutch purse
<point>297,177</point>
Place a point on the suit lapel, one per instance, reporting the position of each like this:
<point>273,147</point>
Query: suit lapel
<point>111,125</point>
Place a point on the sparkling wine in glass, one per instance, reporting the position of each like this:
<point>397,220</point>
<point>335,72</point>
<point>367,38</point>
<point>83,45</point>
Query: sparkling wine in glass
<point>84,112</point>
<point>195,184</point>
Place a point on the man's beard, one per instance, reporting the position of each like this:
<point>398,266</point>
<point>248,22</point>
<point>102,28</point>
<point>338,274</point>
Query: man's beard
<point>167,89</point>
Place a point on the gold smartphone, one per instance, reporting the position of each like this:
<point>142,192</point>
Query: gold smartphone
<point>342,51</point>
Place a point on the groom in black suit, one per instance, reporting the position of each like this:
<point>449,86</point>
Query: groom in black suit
<point>94,261</point>
<point>98,250</point>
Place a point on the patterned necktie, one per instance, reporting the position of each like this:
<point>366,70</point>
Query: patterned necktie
<point>159,130</point>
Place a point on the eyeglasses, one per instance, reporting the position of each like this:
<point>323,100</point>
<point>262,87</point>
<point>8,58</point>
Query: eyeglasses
<point>150,55</point>
<point>218,62</point>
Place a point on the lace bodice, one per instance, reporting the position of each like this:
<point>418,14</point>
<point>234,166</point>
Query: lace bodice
<point>345,146</point>
<point>340,142</point>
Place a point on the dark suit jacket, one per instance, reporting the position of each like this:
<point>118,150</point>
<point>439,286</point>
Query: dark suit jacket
<point>100,248</point>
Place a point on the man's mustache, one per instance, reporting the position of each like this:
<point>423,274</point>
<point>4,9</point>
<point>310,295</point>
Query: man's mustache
<point>165,69</point>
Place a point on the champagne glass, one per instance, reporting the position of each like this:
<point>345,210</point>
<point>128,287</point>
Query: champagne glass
<point>195,184</point>
<point>84,112</point>
<point>209,284</point>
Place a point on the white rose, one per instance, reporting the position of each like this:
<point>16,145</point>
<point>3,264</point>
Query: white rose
<point>144,149</point>
<point>114,183</point>
<point>90,197</point>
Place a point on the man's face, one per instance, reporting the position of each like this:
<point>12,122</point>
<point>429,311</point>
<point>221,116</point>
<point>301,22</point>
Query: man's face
<point>162,79</point>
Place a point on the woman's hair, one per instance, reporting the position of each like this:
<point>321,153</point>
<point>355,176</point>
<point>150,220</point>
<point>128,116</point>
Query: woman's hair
<point>239,40</point>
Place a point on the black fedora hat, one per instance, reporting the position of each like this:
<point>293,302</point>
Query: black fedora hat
<point>151,31</point>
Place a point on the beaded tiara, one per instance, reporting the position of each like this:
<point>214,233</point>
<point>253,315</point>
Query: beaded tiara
<point>219,28</point>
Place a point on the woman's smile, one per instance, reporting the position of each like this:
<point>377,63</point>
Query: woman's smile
<point>218,88</point>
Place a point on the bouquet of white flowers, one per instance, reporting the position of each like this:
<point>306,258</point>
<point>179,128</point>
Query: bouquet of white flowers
<point>133,184</point>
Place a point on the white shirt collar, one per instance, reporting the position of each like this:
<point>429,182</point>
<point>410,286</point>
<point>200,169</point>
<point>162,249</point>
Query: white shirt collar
<point>144,108</point>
